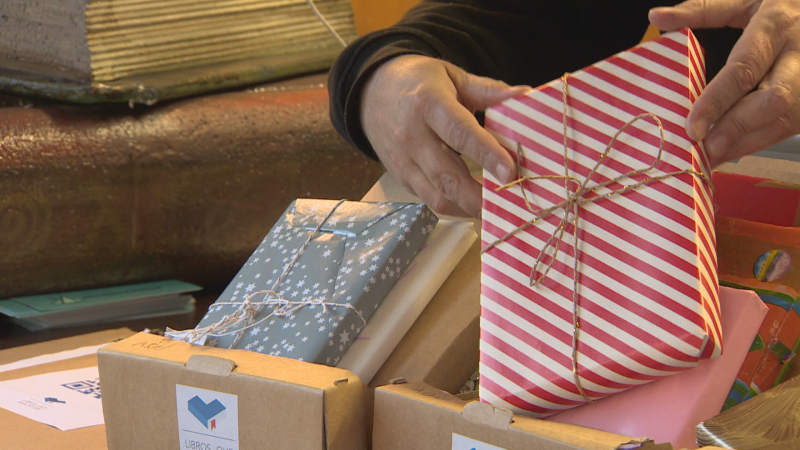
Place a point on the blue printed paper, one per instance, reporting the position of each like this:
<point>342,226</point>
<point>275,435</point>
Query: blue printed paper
<point>324,299</point>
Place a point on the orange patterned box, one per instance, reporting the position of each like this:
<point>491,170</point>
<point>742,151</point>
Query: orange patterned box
<point>758,246</point>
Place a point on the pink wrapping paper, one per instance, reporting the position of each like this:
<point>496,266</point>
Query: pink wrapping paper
<point>668,410</point>
<point>646,261</point>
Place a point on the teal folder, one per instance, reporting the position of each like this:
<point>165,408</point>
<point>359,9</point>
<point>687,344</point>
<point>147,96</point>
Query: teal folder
<point>97,305</point>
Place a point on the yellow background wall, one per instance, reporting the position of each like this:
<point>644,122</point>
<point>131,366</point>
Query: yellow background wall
<point>371,15</point>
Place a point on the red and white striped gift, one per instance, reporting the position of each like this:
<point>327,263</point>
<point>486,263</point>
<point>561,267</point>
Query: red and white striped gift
<point>647,288</point>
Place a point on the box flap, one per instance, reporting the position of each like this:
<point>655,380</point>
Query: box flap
<point>247,363</point>
<point>486,414</point>
<point>211,365</point>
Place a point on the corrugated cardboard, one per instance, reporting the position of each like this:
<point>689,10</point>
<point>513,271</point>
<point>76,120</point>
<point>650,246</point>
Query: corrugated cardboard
<point>761,167</point>
<point>412,416</point>
<point>21,433</point>
<point>284,403</point>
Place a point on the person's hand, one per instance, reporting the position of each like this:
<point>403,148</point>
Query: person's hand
<point>417,113</point>
<point>734,119</point>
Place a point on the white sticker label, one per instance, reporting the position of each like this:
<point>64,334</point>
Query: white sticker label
<point>207,420</point>
<point>464,443</point>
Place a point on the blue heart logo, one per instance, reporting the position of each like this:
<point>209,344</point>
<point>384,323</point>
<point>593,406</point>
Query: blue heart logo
<point>205,412</point>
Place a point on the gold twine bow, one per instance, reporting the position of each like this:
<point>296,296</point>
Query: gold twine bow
<point>243,318</point>
<point>573,201</point>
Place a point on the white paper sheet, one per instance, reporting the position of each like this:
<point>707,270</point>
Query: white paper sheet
<point>432,265</point>
<point>52,357</point>
<point>66,400</point>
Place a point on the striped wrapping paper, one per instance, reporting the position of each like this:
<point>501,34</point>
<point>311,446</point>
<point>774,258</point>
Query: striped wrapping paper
<point>647,269</point>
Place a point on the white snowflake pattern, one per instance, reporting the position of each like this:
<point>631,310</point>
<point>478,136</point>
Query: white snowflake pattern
<point>356,278</point>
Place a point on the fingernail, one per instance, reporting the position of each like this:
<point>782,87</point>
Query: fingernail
<point>522,89</point>
<point>716,146</point>
<point>503,172</point>
<point>653,11</point>
<point>698,130</point>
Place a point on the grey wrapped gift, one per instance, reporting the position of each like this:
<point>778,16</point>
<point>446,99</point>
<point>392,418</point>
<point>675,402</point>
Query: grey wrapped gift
<point>316,278</point>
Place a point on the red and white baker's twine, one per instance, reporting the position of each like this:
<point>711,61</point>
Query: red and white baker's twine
<point>572,203</point>
<point>243,317</point>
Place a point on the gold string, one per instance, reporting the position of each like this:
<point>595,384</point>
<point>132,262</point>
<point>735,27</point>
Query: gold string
<point>574,200</point>
<point>232,324</point>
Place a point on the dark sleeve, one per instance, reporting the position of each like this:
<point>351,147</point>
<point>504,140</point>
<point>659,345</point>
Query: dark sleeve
<point>520,42</point>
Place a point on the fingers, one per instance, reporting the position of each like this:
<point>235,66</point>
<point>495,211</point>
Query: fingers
<point>704,14</point>
<point>748,63</point>
<point>451,180</point>
<point>734,119</point>
<point>452,120</point>
<point>414,114</point>
<point>436,175</point>
<point>458,129</point>
<point>478,93</point>
<point>417,182</point>
<point>770,107</point>
<point>772,133</point>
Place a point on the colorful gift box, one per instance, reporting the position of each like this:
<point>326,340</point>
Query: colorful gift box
<point>757,247</point>
<point>600,277</point>
<point>316,279</point>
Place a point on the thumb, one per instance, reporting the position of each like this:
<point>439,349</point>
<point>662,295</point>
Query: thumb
<point>704,14</point>
<point>478,93</point>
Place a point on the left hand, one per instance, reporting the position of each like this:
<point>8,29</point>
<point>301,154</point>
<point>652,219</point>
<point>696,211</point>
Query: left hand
<point>734,119</point>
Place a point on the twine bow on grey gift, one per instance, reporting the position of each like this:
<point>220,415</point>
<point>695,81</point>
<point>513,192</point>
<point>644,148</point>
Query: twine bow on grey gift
<point>243,318</point>
<point>573,201</point>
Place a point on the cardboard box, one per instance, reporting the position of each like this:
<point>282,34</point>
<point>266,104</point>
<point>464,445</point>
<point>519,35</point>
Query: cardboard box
<point>159,393</point>
<point>21,433</point>
<point>781,170</point>
<point>419,416</point>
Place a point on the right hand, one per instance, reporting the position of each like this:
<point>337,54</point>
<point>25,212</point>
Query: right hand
<point>417,113</point>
